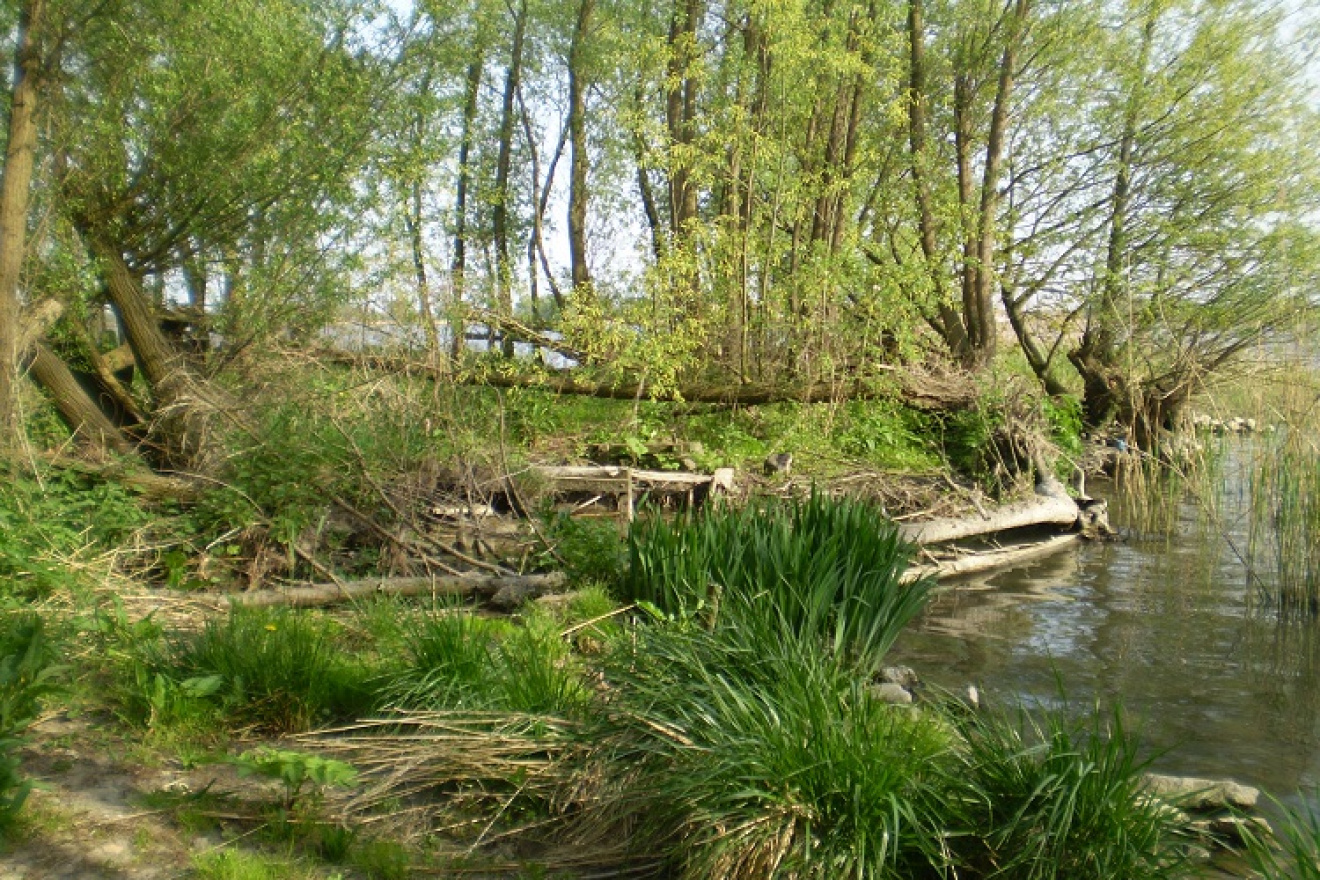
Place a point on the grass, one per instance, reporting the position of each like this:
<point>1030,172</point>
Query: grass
<point>455,659</point>
<point>274,671</point>
<point>823,571</point>
<point>1292,852</point>
<point>1285,521</point>
<point>1041,796</point>
<point>762,760</point>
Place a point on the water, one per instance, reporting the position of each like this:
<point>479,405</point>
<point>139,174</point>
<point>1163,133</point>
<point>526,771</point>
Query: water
<point>1162,627</point>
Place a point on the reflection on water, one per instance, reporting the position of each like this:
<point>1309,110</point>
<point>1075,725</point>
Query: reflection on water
<point>1162,627</point>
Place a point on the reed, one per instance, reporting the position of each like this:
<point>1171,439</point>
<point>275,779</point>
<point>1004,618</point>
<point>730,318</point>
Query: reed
<point>1284,535</point>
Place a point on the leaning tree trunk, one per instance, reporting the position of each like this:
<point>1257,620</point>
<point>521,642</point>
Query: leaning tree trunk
<point>185,404</point>
<point>89,424</point>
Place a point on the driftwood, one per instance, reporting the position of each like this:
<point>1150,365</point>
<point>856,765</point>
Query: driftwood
<point>318,595</point>
<point>606,478</point>
<point>1048,510</point>
<point>975,562</point>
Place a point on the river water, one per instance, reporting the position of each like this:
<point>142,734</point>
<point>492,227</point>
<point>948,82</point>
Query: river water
<point>1162,627</point>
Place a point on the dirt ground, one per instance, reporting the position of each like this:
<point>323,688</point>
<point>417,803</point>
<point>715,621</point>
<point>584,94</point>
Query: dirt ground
<point>91,819</point>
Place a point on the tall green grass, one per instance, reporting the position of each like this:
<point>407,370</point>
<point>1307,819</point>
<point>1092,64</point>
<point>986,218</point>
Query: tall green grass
<point>1292,851</point>
<point>1284,536</point>
<point>454,659</point>
<point>1042,796</point>
<point>740,758</point>
<point>822,571</point>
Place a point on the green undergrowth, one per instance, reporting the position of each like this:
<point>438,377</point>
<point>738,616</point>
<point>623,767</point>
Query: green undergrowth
<point>52,516</point>
<point>28,671</point>
<point>709,710</point>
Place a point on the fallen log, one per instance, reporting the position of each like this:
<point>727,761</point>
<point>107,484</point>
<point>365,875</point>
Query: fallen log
<point>918,389</point>
<point>988,560</point>
<point>1049,510</point>
<point>320,595</point>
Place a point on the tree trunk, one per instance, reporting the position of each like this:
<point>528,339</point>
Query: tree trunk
<point>950,323</point>
<point>542,188</point>
<point>984,335</point>
<point>644,188</point>
<point>458,273</point>
<point>14,194</point>
<point>413,220</point>
<point>503,163</point>
<point>84,418</point>
<point>1097,357</point>
<point>577,125</point>
<point>184,402</point>
<point>320,595</point>
<point>1053,510</point>
<point>681,111</point>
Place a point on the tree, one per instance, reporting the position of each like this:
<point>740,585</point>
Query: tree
<point>15,184</point>
<point>167,152</point>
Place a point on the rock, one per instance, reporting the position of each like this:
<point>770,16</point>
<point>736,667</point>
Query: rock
<point>903,676</point>
<point>1191,793</point>
<point>888,692</point>
<point>1236,830</point>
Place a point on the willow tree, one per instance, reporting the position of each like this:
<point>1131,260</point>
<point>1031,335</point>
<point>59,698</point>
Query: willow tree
<point>1206,203</point>
<point>168,149</point>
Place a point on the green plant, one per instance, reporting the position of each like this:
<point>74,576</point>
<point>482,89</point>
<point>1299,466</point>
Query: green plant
<point>381,859</point>
<point>732,756</point>
<point>27,675</point>
<point>1284,538</point>
<point>457,660</point>
<point>296,770</point>
<point>886,434</point>
<point>1064,416</point>
<point>232,864</point>
<point>1038,796</point>
<point>824,571</point>
<point>1292,850</point>
<point>275,670</point>
<point>49,515</point>
<point>591,550</point>
<point>448,661</point>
